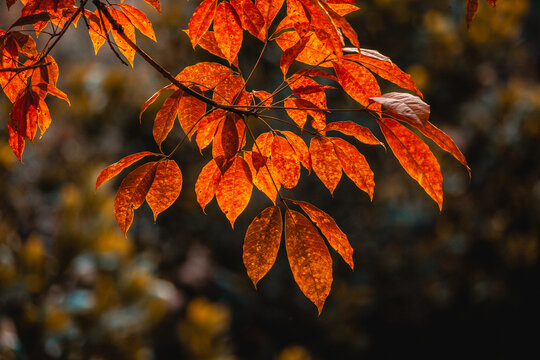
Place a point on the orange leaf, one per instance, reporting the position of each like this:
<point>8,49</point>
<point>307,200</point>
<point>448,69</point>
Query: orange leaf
<point>264,96</point>
<point>354,165</point>
<point>97,33</point>
<point>154,97</point>
<point>23,118</point>
<point>263,144</point>
<point>217,148</point>
<point>336,238</point>
<point>361,133</point>
<point>385,68</point>
<point>207,128</point>
<point>315,51</point>
<point>200,20</point>
<point>129,31</point>
<point>445,142</point>
<point>415,157</point>
<point>261,244</point>
<point>132,193</point>
<point>165,188</point>
<point>298,116</point>
<point>309,258</point>
<point>268,9</point>
<point>208,74</point>
<point>207,183</point>
<point>139,20</point>
<point>227,90</point>
<point>357,81</point>
<point>228,31</point>
<point>234,190</point>
<point>268,184</point>
<point>190,111</point>
<point>112,170</point>
<point>290,55</point>
<point>165,117</point>
<point>300,148</point>
<point>250,16</point>
<point>285,162</point>
<point>325,162</point>
<point>155,4</point>
<point>405,107</point>
<point>343,24</point>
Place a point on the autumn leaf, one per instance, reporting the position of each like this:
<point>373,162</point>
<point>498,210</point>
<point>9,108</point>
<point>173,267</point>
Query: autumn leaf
<point>229,137</point>
<point>336,238</point>
<point>207,183</point>
<point>132,193</point>
<point>200,20</point>
<point>357,81</point>
<point>112,170</point>
<point>325,162</point>
<point>286,162</point>
<point>205,74</point>
<point>129,32</point>
<point>265,176</point>
<point>228,31</point>
<point>207,128</point>
<point>309,258</point>
<point>250,16</point>
<point>300,148</point>
<point>234,190</point>
<point>415,157</point>
<point>361,133</point>
<point>190,112</point>
<point>261,243</point>
<point>165,117</point>
<point>290,55</point>
<point>165,188</point>
<point>405,107</point>
<point>139,20</point>
<point>354,165</point>
<point>268,9</point>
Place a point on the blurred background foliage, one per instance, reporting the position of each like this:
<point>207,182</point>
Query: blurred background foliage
<point>464,281</point>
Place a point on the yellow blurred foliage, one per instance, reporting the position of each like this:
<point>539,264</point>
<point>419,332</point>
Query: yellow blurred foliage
<point>294,352</point>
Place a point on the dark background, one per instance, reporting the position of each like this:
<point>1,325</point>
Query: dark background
<point>461,282</point>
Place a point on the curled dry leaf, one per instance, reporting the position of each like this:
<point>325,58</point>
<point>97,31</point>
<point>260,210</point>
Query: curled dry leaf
<point>405,107</point>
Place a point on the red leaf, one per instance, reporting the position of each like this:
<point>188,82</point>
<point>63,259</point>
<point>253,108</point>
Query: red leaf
<point>286,162</point>
<point>361,133</point>
<point>261,244</point>
<point>16,142</point>
<point>263,144</point>
<point>98,35</point>
<point>165,188</point>
<point>228,31</point>
<point>415,157</point>
<point>354,165</point>
<point>132,193</point>
<point>23,118</point>
<point>165,117</point>
<point>207,183</point>
<point>325,162</point>
<point>357,81</point>
<point>129,31</point>
<point>234,190</point>
<point>112,170</point>
<point>229,137</point>
<point>200,20</point>
<point>309,258</point>
<point>336,238</point>
<point>472,8</point>
<point>405,107</point>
